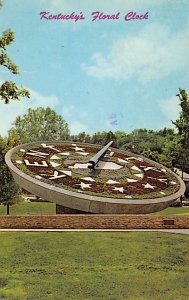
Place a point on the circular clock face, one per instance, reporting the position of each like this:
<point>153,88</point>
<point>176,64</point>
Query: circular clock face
<point>117,175</point>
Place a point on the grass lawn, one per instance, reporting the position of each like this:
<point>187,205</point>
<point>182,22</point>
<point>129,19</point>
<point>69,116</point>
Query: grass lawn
<point>184,210</point>
<point>30,208</point>
<point>91,265</point>
<point>42,208</point>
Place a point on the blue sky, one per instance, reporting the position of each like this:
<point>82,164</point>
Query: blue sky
<point>103,74</point>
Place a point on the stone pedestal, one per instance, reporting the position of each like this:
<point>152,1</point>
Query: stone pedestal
<point>66,210</point>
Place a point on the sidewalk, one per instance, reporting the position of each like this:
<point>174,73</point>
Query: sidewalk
<point>178,231</point>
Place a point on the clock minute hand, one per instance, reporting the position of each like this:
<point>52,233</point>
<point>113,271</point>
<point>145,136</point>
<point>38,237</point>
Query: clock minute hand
<point>95,159</point>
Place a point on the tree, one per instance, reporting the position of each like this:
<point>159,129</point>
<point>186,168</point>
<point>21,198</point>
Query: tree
<point>9,90</point>
<point>41,124</point>
<point>82,137</point>
<point>9,190</point>
<point>182,125</point>
<point>103,137</point>
<point>14,138</point>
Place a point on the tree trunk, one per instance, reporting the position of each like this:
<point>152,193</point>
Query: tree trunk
<point>7,209</point>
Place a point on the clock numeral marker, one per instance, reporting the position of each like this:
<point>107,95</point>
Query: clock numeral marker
<point>139,175</point>
<point>65,153</point>
<point>19,162</point>
<point>119,189</point>
<point>122,161</point>
<point>131,180</point>
<point>37,153</point>
<point>148,186</point>
<point>78,148</point>
<point>88,179</point>
<point>162,193</point>
<point>55,157</point>
<point>36,164</point>
<point>83,153</point>
<point>68,173</point>
<point>54,164</point>
<point>164,180</point>
<point>85,185</point>
<point>22,150</point>
<point>135,168</point>
<point>110,181</point>
<point>50,147</point>
<point>56,175</point>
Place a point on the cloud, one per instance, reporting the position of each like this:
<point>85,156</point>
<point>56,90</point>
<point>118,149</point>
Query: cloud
<point>9,112</point>
<point>153,53</point>
<point>72,114</point>
<point>170,108</point>
<point>77,127</point>
<point>68,111</point>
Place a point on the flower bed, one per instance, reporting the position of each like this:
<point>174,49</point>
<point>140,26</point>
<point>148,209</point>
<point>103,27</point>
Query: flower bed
<point>122,175</point>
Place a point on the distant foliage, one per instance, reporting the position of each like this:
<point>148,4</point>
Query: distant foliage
<point>161,146</point>
<point>40,124</point>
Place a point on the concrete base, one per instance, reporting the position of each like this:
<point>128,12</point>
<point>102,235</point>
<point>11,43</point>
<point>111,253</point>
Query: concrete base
<point>66,210</point>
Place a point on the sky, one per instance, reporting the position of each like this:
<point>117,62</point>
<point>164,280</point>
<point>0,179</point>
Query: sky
<point>101,75</point>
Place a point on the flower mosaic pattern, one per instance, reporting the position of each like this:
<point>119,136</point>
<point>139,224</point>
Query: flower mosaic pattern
<point>118,175</point>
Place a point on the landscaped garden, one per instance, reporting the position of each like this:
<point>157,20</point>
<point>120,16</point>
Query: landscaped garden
<point>56,266</point>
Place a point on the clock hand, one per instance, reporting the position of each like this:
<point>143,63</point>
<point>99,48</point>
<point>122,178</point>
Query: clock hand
<point>95,159</point>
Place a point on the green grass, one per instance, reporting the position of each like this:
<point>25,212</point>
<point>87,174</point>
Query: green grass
<point>184,210</point>
<point>40,208</point>
<point>79,266</point>
<point>30,208</point>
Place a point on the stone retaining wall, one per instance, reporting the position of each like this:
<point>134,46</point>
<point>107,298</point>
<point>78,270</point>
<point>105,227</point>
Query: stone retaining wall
<point>95,222</point>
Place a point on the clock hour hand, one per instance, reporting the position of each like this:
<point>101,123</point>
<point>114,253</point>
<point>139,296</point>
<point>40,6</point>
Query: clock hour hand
<point>100,154</point>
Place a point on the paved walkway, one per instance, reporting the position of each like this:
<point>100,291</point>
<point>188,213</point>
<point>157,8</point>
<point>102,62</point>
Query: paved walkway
<point>180,231</point>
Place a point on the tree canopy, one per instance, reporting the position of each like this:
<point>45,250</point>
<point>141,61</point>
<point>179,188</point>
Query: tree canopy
<point>40,124</point>
<point>9,90</point>
<point>182,125</point>
<point>9,190</point>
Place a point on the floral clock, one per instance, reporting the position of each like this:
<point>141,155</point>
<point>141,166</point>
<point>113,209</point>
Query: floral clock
<point>93,178</point>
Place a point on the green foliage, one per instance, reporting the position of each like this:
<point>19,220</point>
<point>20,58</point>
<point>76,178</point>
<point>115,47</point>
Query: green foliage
<point>41,124</point>
<point>9,90</point>
<point>9,191</point>
<point>30,208</point>
<point>82,137</point>
<point>6,39</point>
<point>121,265</point>
<point>173,211</point>
<point>14,138</point>
<point>161,146</point>
<point>182,125</point>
